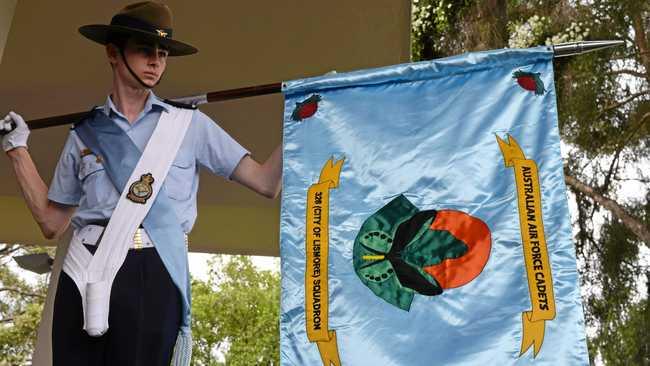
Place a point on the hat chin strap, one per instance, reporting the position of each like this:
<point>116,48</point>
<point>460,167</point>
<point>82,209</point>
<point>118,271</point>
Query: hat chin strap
<point>136,76</point>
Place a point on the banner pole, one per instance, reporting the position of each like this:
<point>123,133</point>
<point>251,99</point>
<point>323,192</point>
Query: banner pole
<point>559,50</point>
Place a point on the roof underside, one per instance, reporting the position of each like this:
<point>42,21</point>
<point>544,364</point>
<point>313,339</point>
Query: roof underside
<point>48,69</point>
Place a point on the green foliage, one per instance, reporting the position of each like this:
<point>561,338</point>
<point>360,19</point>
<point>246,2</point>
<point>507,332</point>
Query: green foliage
<point>21,304</point>
<point>624,340</point>
<point>432,25</point>
<point>604,117</point>
<point>236,314</point>
<point>587,82</point>
<point>18,338</point>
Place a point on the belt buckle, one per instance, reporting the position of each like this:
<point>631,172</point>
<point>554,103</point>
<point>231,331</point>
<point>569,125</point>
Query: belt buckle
<point>137,239</point>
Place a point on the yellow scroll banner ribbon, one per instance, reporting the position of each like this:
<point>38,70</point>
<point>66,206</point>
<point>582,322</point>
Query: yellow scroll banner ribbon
<point>538,266</point>
<point>317,251</point>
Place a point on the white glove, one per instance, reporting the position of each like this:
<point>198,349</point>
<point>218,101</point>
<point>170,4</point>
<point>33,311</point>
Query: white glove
<point>18,136</point>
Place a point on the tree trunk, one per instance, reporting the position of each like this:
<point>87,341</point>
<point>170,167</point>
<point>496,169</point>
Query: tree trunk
<point>632,223</point>
<point>497,12</point>
<point>488,25</point>
<point>641,42</point>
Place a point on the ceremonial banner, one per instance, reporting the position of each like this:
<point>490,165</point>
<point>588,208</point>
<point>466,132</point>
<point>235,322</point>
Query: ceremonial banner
<point>424,217</point>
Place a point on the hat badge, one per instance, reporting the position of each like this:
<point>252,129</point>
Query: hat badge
<point>161,33</point>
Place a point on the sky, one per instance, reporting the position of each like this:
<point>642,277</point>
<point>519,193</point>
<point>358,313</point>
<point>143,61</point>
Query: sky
<point>199,266</point>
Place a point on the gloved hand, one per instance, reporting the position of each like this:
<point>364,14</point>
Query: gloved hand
<point>16,137</point>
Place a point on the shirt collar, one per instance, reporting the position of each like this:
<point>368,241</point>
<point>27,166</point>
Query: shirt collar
<point>152,100</point>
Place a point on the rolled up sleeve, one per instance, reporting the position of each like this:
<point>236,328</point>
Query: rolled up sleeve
<point>216,150</point>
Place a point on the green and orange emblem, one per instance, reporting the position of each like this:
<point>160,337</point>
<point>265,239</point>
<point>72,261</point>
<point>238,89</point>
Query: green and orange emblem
<point>401,251</point>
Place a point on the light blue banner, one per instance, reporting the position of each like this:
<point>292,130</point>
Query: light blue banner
<point>424,217</point>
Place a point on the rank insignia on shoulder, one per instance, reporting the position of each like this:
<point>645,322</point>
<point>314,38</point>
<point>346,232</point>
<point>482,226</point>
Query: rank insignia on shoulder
<point>140,190</point>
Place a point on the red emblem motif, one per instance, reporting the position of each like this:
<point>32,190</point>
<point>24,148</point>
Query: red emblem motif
<point>529,81</point>
<point>306,108</point>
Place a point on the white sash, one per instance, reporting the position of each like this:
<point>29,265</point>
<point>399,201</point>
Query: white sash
<point>94,274</point>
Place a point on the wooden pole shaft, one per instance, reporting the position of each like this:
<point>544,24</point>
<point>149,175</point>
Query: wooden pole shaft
<point>217,96</point>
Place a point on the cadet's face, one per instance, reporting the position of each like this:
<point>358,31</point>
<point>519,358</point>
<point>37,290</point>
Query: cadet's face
<point>148,61</point>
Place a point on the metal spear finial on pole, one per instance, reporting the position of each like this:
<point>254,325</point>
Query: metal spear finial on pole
<point>578,48</point>
<point>559,50</point>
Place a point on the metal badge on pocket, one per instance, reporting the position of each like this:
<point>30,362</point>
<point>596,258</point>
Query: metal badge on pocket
<point>140,191</point>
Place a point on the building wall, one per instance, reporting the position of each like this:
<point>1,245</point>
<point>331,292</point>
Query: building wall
<point>7,8</point>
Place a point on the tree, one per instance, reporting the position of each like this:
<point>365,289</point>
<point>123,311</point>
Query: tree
<point>21,304</point>
<point>604,115</point>
<point>236,314</point>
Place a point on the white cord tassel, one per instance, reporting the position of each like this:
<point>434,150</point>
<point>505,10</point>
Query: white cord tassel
<point>182,349</point>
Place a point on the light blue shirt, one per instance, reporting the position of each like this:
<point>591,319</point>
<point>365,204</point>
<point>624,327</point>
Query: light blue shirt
<point>81,180</point>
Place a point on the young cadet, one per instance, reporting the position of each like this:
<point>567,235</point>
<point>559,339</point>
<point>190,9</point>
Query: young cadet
<point>127,181</point>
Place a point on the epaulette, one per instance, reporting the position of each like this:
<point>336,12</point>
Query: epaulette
<point>81,117</point>
<point>180,104</point>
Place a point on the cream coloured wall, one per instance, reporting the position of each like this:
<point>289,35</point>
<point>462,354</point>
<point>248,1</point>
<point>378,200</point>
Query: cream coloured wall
<point>7,8</point>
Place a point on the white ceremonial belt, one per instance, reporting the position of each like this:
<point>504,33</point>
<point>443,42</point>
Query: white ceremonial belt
<point>90,234</point>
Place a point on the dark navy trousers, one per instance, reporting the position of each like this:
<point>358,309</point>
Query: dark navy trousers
<point>144,317</point>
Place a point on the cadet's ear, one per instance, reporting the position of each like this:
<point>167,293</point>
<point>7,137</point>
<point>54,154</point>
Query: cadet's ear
<point>112,53</point>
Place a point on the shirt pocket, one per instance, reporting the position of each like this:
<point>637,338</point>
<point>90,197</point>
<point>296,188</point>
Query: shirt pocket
<point>94,183</point>
<point>180,179</point>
